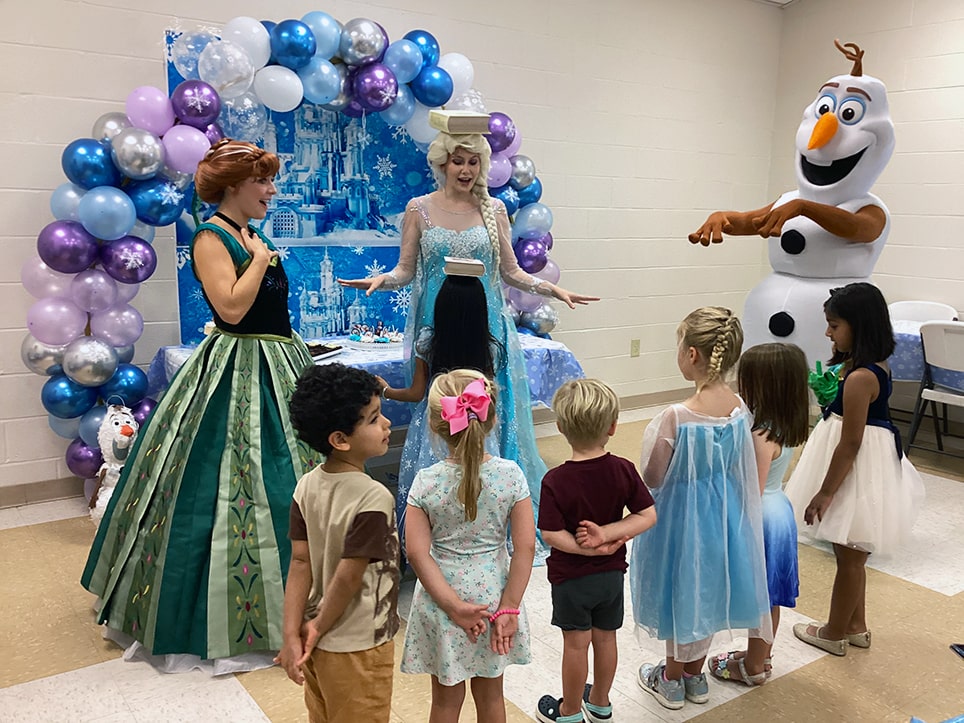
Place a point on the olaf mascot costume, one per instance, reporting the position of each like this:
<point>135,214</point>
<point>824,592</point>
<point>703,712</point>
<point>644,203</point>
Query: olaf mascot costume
<point>831,229</point>
<point>115,436</point>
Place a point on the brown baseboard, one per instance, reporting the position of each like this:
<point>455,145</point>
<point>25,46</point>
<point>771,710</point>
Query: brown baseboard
<point>44,491</point>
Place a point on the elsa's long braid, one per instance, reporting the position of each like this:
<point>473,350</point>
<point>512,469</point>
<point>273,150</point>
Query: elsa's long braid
<point>488,217</point>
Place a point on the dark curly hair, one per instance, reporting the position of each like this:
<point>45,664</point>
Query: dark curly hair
<point>330,398</point>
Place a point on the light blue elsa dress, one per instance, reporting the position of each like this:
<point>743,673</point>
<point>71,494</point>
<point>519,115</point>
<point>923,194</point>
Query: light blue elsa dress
<point>701,569</point>
<point>429,234</point>
<point>780,536</point>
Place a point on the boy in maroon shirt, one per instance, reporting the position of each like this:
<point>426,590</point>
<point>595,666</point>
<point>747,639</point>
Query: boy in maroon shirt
<point>581,517</point>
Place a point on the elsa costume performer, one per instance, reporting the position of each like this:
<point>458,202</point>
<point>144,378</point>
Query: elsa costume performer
<point>460,219</point>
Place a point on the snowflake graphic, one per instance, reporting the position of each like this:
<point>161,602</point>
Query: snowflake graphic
<point>401,300</point>
<point>131,260</point>
<point>197,103</point>
<point>511,195</point>
<point>384,166</point>
<point>400,135</point>
<point>358,250</point>
<point>374,269</point>
<point>283,252</point>
<point>170,194</point>
<point>387,96</point>
<point>365,139</point>
<point>197,296</point>
<point>183,256</point>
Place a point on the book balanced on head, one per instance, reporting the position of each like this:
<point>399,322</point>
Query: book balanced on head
<point>456,266</point>
<point>459,121</point>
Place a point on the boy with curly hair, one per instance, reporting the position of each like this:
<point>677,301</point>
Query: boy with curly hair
<point>341,598</point>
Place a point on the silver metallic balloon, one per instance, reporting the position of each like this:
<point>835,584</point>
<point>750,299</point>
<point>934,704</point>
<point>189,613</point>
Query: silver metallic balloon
<point>180,179</point>
<point>137,153</point>
<point>342,99</point>
<point>40,358</point>
<point>362,41</point>
<point>89,361</point>
<point>515,314</point>
<point>124,353</point>
<point>542,320</point>
<point>109,125</point>
<point>523,172</point>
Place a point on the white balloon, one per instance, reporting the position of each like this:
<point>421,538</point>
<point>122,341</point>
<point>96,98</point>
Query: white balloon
<point>418,126</point>
<point>461,70</point>
<point>251,35</point>
<point>279,88</point>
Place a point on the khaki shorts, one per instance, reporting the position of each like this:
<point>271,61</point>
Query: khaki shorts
<point>350,687</point>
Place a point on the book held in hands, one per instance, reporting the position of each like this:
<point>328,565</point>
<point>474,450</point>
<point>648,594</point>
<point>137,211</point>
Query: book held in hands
<point>455,266</point>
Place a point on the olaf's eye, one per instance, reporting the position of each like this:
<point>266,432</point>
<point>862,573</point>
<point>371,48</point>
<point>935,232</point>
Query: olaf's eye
<point>851,111</point>
<point>825,104</point>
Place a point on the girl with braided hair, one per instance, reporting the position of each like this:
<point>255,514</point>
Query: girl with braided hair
<point>191,557</point>
<point>460,219</point>
<point>702,569</point>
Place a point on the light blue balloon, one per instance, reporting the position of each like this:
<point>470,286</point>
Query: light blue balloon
<point>321,81</point>
<point>402,109</point>
<point>66,428</point>
<point>405,60</point>
<point>64,201</point>
<point>90,424</point>
<point>327,32</point>
<point>532,221</point>
<point>106,212</point>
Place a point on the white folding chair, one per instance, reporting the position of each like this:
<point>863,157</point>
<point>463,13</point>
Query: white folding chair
<point>921,311</point>
<point>943,343</point>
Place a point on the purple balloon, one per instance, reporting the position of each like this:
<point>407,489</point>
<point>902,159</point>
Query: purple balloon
<point>196,103</point>
<point>550,272</point>
<point>375,87</point>
<point>500,170</point>
<point>126,292</point>
<point>56,321</point>
<point>523,300</point>
<point>213,132</point>
<point>93,290</point>
<point>66,246</point>
<point>514,146</point>
<point>547,240</point>
<point>501,131</point>
<point>184,147</point>
<point>143,409</point>
<point>129,260</point>
<point>41,281</point>
<point>82,460</point>
<point>120,325</point>
<point>149,108</point>
<point>531,254</point>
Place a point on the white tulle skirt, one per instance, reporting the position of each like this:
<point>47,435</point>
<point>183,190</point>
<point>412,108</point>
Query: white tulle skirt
<point>875,507</point>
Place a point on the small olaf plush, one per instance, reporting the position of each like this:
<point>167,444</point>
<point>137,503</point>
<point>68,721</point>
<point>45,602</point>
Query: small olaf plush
<point>116,437</point>
<point>831,229</point>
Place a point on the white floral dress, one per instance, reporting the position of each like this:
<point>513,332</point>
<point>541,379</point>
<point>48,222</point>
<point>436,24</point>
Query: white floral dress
<point>475,561</point>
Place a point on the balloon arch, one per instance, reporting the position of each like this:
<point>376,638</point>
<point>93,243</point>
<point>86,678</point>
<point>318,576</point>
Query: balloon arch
<point>135,171</point>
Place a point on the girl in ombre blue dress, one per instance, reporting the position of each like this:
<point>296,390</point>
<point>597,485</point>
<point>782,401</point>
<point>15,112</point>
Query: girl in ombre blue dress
<point>773,383</point>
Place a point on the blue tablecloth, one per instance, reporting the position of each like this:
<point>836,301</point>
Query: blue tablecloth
<point>548,365</point>
<point>907,362</point>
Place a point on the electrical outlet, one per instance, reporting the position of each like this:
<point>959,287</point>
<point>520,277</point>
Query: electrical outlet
<point>634,347</point>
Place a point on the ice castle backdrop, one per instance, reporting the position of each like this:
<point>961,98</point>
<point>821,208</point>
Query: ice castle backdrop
<point>342,190</point>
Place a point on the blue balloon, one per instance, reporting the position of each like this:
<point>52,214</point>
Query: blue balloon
<point>533,221</point>
<point>65,398</point>
<point>66,428</point>
<point>107,213</point>
<point>157,201</point>
<point>87,163</point>
<point>321,81</point>
<point>508,195</point>
<point>427,44</point>
<point>525,330</point>
<point>531,193</point>
<point>128,386</point>
<point>64,201</point>
<point>90,424</point>
<point>402,109</point>
<point>432,87</point>
<point>327,32</point>
<point>292,44</point>
<point>405,60</point>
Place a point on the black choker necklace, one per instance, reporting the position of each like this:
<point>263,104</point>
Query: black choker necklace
<point>229,221</point>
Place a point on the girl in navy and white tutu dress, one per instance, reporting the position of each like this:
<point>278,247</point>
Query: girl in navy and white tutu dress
<point>853,487</point>
<point>773,383</point>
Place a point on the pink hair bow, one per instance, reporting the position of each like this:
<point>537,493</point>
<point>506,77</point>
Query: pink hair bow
<point>473,402</point>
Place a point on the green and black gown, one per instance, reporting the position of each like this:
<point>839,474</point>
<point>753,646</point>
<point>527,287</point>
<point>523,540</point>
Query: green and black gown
<point>192,553</point>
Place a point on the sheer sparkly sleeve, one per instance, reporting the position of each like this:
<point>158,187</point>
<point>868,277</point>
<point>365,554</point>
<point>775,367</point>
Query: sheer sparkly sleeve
<point>412,227</point>
<point>659,442</point>
<point>509,268</point>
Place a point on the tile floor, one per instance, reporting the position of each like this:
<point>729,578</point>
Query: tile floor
<point>55,665</point>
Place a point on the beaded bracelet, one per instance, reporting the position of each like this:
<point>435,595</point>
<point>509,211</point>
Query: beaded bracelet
<point>499,613</point>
